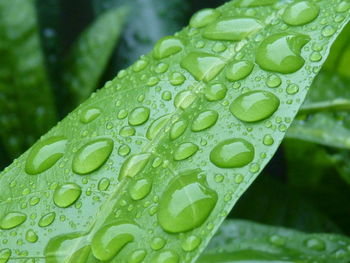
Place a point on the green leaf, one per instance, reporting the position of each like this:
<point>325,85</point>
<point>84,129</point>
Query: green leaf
<point>90,54</point>
<point>244,241</point>
<point>26,106</point>
<point>159,156</point>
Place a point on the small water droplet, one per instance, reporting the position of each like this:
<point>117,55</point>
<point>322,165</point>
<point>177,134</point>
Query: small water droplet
<point>277,240</point>
<point>92,156</point>
<point>328,31</point>
<point>343,6</point>
<point>127,131</point>
<point>177,129</point>
<point>166,256</point>
<point>12,220</point>
<point>315,244</point>
<point>232,153</point>
<point>204,120</point>
<point>139,116</point>
<point>184,99</point>
<point>204,17</point>
<point>140,189</point>
<point>166,47</point>
<point>273,81</point>
<point>215,92</point>
<point>161,68</point>
<point>139,65</point>
<point>156,126</point>
<point>186,203</point>
<point>167,96</point>
<point>47,219</point>
<point>103,184</point>
<point>67,194</point>
<point>185,150</point>
<point>31,236</point>
<point>239,70</point>
<point>137,256</point>
<point>157,243</point>
<point>45,154</point>
<point>254,106</point>
<point>177,79</point>
<point>191,243</point>
<point>5,255</point>
<point>315,56</point>
<point>300,13</point>
<point>268,140</point>
<point>133,165</point>
<point>90,115</point>
<point>292,89</point>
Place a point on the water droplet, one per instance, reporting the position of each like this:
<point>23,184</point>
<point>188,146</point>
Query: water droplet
<point>232,153</point>
<point>343,6</point>
<point>184,99</point>
<point>166,47</point>
<point>139,65</point>
<point>45,154</point>
<point>191,243</point>
<point>268,140</point>
<point>204,120</point>
<point>103,184</point>
<point>328,31</point>
<point>89,115</point>
<point>186,203</point>
<point>157,243</point>
<point>31,236</point>
<point>127,131</point>
<point>124,150</point>
<point>47,219</point>
<point>110,239</point>
<point>12,220</point>
<point>234,29</point>
<point>185,150</point>
<point>315,56</point>
<point>273,81</point>
<point>203,66</point>
<point>204,17</point>
<point>152,81</point>
<point>281,52</point>
<point>34,201</point>
<point>92,156</point>
<point>140,189</point>
<point>277,240</point>
<point>239,70</point>
<point>166,95</point>
<point>177,79</point>
<point>254,106</point>
<point>139,116</point>
<point>161,68</point>
<point>156,126</point>
<point>215,92</point>
<point>177,129</point>
<point>5,255</point>
<point>292,89</point>
<point>67,194</point>
<point>315,244</point>
<point>133,165</point>
<point>137,256</point>
<point>300,13</point>
<point>166,256</point>
<point>254,3</point>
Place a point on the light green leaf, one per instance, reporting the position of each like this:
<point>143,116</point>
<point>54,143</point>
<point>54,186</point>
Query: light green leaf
<point>26,106</point>
<point>244,241</point>
<point>89,55</point>
<point>128,196</point>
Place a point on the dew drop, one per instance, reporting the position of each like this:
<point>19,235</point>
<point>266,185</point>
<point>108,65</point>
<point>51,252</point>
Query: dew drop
<point>166,47</point>
<point>281,52</point>
<point>90,115</point>
<point>191,243</point>
<point>103,184</point>
<point>31,236</point>
<point>232,153</point>
<point>12,220</point>
<point>315,56</point>
<point>140,189</point>
<point>47,219</point>
<point>177,79</point>
<point>161,68</point>
<point>92,156</point>
<point>328,31</point>
<point>185,150</point>
<point>239,70</point>
<point>45,154</point>
<point>184,99</point>
<point>156,126</point>
<point>157,243</point>
<point>139,65</point>
<point>204,120</point>
<point>204,17</point>
<point>139,116</point>
<point>254,3</point>
<point>186,203</point>
<point>137,256</point>
<point>300,13</point>
<point>203,66</point>
<point>315,244</point>
<point>234,29</point>
<point>166,256</point>
<point>110,239</point>
<point>292,89</point>
<point>5,255</point>
<point>254,106</point>
<point>127,131</point>
<point>177,129</point>
<point>67,194</point>
<point>166,95</point>
<point>215,92</point>
<point>268,140</point>
<point>343,6</point>
<point>133,165</point>
<point>273,81</point>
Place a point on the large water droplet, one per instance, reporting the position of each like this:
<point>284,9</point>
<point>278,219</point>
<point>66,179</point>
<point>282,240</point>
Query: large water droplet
<point>110,239</point>
<point>156,126</point>
<point>203,66</point>
<point>239,70</point>
<point>300,13</point>
<point>140,189</point>
<point>254,106</point>
<point>45,154</point>
<point>232,153</point>
<point>215,92</point>
<point>92,156</point>
<point>133,165</point>
<point>253,3</point>
<point>204,120</point>
<point>5,255</point>
<point>89,115</point>
<point>139,116</point>
<point>67,194</point>
<point>177,129</point>
<point>12,220</point>
<point>166,256</point>
<point>204,17</point>
<point>186,203</point>
<point>47,219</point>
<point>234,29</point>
<point>185,150</point>
<point>166,47</point>
<point>70,248</point>
<point>281,52</point>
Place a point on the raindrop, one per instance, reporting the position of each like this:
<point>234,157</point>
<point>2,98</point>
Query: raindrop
<point>133,165</point>
<point>156,126</point>
<point>139,116</point>
<point>166,47</point>
<point>177,129</point>
<point>215,92</point>
<point>204,17</point>
<point>47,219</point>
<point>185,150</point>
<point>140,189</point>
<point>300,13</point>
<point>67,194</point>
<point>90,115</point>
<point>12,220</point>
<point>191,243</point>
<point>204,120</point>
<point>239,70</point>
